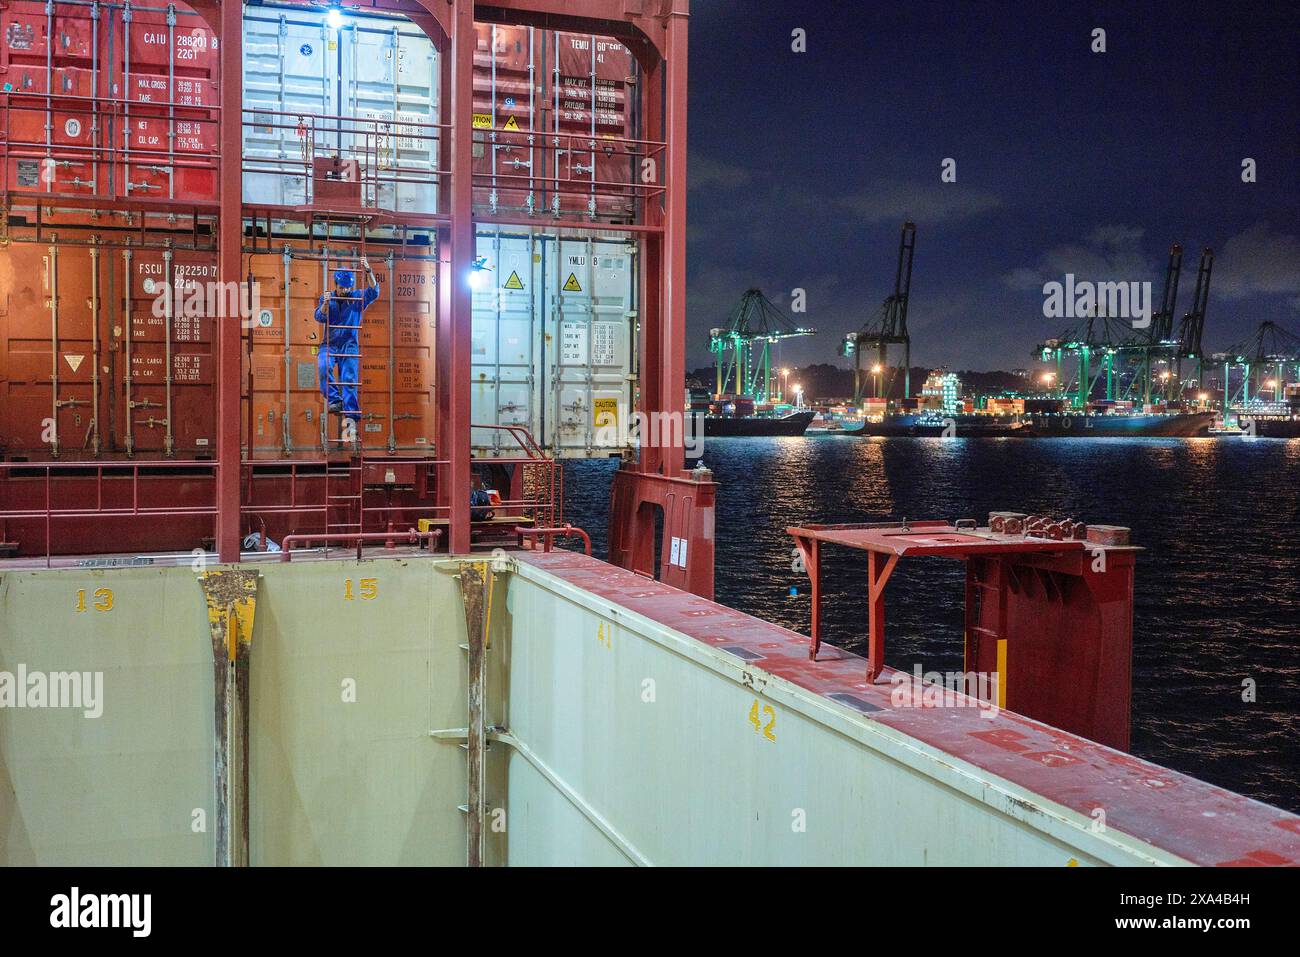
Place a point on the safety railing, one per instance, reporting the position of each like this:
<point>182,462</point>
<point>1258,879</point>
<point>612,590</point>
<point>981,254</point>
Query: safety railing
<point>549,535</point>
<point>23,113</point>
<point>316,498</point>
<point>359,539</point>
<point>568,164</point>
<point>325,142</point>
<point>93,502</point>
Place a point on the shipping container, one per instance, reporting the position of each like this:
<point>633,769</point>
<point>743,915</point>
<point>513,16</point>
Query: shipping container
<point>369,90</point>
<point>561,108</point>
<point>284,411</point>
<point>88,337</point>
<point>553,342</point>
<point>110,101</point>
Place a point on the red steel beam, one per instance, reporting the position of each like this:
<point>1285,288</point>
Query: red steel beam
<point>229,244</point>
<point>456,255</point>
<point>672,328</point>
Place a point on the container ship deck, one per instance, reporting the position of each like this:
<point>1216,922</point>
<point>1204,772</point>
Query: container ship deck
<point>596,707</point>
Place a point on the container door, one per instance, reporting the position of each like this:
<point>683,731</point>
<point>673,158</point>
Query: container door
<point>507,164</point>
<point>167,73</point>
<point>591,291</point>
<point>157,415</point>
<point>51,140</point>
<point>392,86</point>
<point>290,68</point>
<point>505,328</point>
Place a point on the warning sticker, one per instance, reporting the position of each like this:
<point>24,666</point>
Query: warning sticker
<point>482,121</point>
<point>511,124</point>
<point>514,282</point>
<point>74,361</point>
<point>571,284</point>
<point>605,412</point>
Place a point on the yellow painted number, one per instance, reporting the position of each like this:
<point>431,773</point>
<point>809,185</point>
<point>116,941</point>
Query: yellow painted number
<point>103,599</point>
<point>756,715</point>
<point>605,635</point>
<point>369,589</point>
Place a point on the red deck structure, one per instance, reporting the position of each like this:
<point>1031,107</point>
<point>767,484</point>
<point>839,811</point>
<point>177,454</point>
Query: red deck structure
<point>1052,618</point>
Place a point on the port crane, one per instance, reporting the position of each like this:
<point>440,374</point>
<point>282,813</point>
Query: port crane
<point>1095,336</point>
<point>1158,342</point>
<point>1270,346</point>
<point>1192,327</point>
<point>889,327</point>
<point>743,350</point>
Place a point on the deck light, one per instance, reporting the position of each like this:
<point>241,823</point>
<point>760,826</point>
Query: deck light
<point>334,17</point>
<point>478,273</point>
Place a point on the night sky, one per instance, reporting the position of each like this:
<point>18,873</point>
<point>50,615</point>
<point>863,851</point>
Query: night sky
<point>803,165</point>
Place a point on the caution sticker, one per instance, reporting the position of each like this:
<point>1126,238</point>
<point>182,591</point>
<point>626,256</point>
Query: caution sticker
<point>605,412</point>
<point>482,121</point>
<point>73,360</point>
<point>571,284</point>
<point>512,124</point>
<point>514,282</point>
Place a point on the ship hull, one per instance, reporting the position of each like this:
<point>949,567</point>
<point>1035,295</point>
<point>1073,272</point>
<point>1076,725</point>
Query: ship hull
<point>721,427</point>
<point>1186,425</point>
<point>1042,426</point>
<point>913,426</point>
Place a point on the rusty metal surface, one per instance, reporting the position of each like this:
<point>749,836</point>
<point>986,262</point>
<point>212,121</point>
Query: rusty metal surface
<point>231,598</point>
<point>1177,814</point>
<point>475,580</point>
<point>929,538</point>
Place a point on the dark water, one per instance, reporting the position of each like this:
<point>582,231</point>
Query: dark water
<point>1218,587</point>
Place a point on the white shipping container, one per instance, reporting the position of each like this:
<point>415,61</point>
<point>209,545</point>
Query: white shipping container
<point>382,71</point>
<point>553,339</point>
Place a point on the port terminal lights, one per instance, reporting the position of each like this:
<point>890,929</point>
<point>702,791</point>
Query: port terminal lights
<point>1271,349</point>
<point>1054,350</point>
<point>743,350</point>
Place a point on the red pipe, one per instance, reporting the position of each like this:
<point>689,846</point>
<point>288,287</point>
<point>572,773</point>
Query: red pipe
<point>550,534</point>
<point>411,535</point>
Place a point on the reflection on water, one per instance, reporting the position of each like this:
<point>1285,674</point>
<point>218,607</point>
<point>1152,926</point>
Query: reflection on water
<point>1218,589</point>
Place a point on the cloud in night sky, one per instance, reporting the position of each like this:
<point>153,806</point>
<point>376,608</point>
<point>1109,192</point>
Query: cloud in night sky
<point>1258,261</point>
<point>1107,254</point>
<point>928,202</point>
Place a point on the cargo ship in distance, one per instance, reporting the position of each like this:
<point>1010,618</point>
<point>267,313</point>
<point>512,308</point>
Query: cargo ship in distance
<point>1043,425</point>
<point>739,416</point>
<point>734,426</point>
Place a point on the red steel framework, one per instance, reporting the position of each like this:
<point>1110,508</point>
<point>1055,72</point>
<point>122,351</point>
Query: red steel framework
<point>220,490</point>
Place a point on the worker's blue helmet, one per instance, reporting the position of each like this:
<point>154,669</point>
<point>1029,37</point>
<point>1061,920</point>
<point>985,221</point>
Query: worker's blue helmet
<point>343,279</point>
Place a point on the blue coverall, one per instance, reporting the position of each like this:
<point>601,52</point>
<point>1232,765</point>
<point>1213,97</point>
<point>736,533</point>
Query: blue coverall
<point>342,346</point>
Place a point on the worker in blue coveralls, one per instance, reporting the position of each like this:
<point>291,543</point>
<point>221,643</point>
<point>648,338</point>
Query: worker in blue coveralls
<point>337,361</point>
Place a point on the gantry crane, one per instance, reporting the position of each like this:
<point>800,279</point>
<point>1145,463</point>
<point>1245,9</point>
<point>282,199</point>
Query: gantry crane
<point>1271,345</point>
<point>1097,335</point>
<point>1158,342</point>
<point>1192,327</point>
<point>756,321</point>
<point>889,327</point>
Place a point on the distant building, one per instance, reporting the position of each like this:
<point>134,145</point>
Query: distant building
<point>942,392</point>
<point>1020,373</point>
